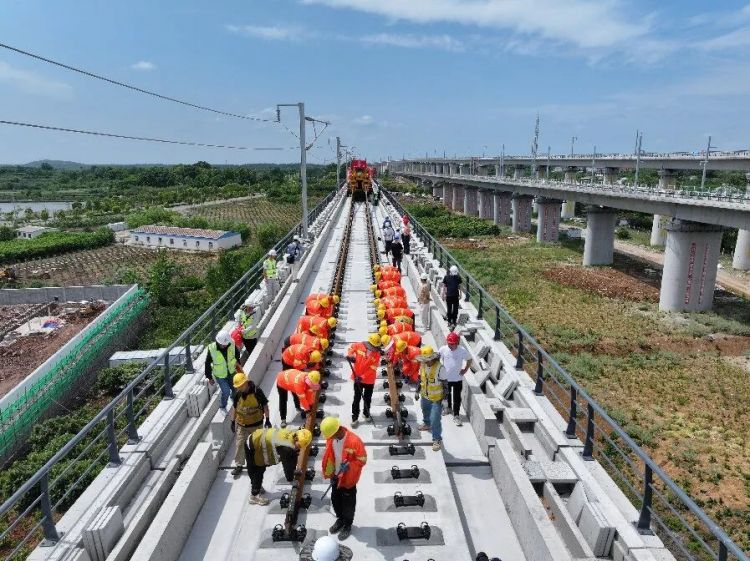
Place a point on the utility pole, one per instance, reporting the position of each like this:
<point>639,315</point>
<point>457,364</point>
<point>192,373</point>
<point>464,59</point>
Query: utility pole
<point>593,166</point>
<point>339,146</point>
<point>572,144</point>
<point>535,149</point>
<point>638,144</point>
<point>705,164</point>
<point>549,156</point>
<point>502,162</point>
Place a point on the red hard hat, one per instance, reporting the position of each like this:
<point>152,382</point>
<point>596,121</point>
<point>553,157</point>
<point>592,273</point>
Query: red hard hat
<point>452,338</point>
<point>405,219</point>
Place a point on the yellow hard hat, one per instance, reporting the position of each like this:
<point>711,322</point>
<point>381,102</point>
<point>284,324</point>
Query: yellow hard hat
<point>376,302</point>
<point>336,299</point>
<point>374,339</point>
<point>377,276</point>
<point>383,323</point>
<point>325,302</point>
<point>315,357</point>
<point>381,313</point>
<point>329,426</point>
<point>427,350</point>
<point>373,287</point>
<point>401,345</point>
<point>285,434</point>
<point>385,339</point>
<point>324,343</point>
<point>304,437</point>
<point>332,322</point>
<point>314,377</point>
<point>382,330</point>
<point>239,379</point>
<point>376,267</point>
<point>378,293</point>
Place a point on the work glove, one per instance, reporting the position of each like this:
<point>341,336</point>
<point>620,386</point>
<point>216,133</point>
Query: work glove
<point>267,424</point>
<point>351,359</point>
<point>344,468</point>
<point>233,426</point>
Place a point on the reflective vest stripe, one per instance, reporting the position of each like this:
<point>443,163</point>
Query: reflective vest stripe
<point>220,367</point>
<point>248,328</point>
<point>432,388</point>
<point>248,409</point>
<point>269,266</point>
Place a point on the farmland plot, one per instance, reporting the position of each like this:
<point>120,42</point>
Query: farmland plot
<point>254,212</point>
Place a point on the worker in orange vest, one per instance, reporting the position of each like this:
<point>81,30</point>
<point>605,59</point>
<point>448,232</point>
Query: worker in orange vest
<point>397,291</point>
<point>343,460</point>
<point>321,304</point>
<point>302,385</point>
<point>317,343</point>
<point>399,314</point>
<point>364,358</point>
<point>391,302</point>
<point>316,325</point>
<point>394,351</point>
<point>409,363</point>
<point>397,327</point>
<point>301,357</point>
<point>412,338</point>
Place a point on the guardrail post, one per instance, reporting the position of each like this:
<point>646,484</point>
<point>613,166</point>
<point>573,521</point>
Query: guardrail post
<point>480,314</point>
<point>189,368</point>
<point>114,452</point>
<point>213,323</point>
<point>644,519</point>
<point>132,428</point>
<point>498,333</point>
<point>168,393</point>
<point>722,552</point>
<point>588,445</point>
<point>539,386</point>
<point>519,358</point>
<point>468,288</point>
<point>570,432</point>
<point>51,537</point>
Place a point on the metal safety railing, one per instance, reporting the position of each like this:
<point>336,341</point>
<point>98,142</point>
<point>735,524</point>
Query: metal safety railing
<point>664,507</point>
<point>30,513</point>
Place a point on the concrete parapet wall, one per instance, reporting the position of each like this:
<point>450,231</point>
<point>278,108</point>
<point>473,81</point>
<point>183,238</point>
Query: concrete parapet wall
<point>109,293</point>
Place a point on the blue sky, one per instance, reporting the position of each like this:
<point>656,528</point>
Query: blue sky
<point>395,77</point>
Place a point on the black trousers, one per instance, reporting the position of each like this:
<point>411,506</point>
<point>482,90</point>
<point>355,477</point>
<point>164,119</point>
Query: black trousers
<point>344,503</point>
<point>256,473</point>
<point>388,244</point>
<point>284,401</point>
<point>249,345</point>
<point>397,261</point>
<point>454,388</point>
<point>452,304</point>
<point>362,391</point>
<point>405,240</point>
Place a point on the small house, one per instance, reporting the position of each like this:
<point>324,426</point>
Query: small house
<point>186,239</point>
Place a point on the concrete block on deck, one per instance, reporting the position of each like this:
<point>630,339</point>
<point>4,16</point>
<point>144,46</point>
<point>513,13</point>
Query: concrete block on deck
<point>596,530</point>
<point>159,429</point>
<point>483,420</point>
<point>197,399</point>
<point>103,532</point>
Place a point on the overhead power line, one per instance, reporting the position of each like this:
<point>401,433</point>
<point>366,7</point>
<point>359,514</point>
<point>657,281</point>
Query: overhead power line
<point>144,138</point>
<point>134,88</point>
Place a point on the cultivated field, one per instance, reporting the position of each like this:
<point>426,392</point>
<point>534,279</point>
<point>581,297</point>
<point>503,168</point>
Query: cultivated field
<point>254,212</point>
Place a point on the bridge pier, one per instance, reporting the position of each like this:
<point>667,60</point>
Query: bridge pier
<point>610,176</point>
<point>502,208</point>
<point>741,259</point>
<point>667,179</point>
<point>599,246</point>
<point>483,171</point>
<point>458,197</point>
<point>437,191</point>
<point>463,169</point>
<point>499,171</point>
<point>521,213</point>
<point>568,210</point>
<point>548,221</point>
<point>517,172</point>
<point>658,231</point>
<point>470,201</point>
<point>486,212</point>
<point>451,169</point>
<point>691,260</point>
<point>448,196</point>
<point>541,172</point>
<point>570,174</point>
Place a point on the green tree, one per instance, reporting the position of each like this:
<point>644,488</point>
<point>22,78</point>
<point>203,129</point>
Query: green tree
<point>44,214</point>
<point>163,279</point>
<point>6,234</point>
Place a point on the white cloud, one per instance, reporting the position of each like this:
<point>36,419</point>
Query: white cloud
<point>364,121</point>
<point>269,33</point>
<point>32,83</point>
<point>733,40</point>
<point>581,23</point>
<point>443,42</point>
<point>143,65</point>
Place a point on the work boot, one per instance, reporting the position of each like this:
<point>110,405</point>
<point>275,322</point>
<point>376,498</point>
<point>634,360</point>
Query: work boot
<point>355,423</point>
<point>368,418</point>
<point>337,526</point>
<point>237,471</point>
<point>424,427</point>
<point>258,500</point>
<point>436,446</point>
<point>283,424</point>
<point>457,420</point>
<point>345,532</point>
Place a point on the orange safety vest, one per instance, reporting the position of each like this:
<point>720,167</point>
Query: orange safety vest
<point>315,308</point>
<point>412,338</point>
<point>392,313</point>
<point>313,325</point>
<point>395,291</point>
<point>354,454</point>
<point>294,381</point>
<point>365,362</point>
<point>386,284</point>
<point>399,327</point>
<point>394,302</point>
<point>409,364</point>
<point>306,339</point>
<point>394,276</point>
<point>297,356</point>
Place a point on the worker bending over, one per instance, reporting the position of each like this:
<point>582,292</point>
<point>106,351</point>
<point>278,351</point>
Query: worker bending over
<point>301,357</point>
<point>364,358</point>
<point>317,343</point>
<point>316,325</point>
<point>250,405</point>
<point>302,385</point>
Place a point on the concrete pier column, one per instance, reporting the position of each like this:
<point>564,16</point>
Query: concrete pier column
<point>667,179</point>
<point>521,213</point>
<point>568,210</point>
<point>481,210</point>
<point>451,169</point>
<point>458,198</point>
<point>548,222</point>
<point>741,260</point>
<point>497,170</point>
<point>470,201</point>
<point>437,191</point>
<point>502,208</point>
<point>599,246</point>
<point>541,172</point>
<point>658,231</point>
<point>610,176</point>
<point>570,174</point>
<point>448,196</point>
<point>488,212</point>
<point>691,259</point>
<point>517,172</point>
<point>483,171</point>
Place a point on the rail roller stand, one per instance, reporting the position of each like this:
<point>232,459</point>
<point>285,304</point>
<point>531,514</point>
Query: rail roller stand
<point>482,556</point>
<point>421,532</point>
<point>405,450</point>
<point>400,500</point>
<point>410,473</point>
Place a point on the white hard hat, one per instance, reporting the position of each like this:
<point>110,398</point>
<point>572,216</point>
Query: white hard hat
<point>296,238</point>
<point>326,549</point>
<point>237,315</point>
<point>454,270</point>
<point>422,277</point>
<point>272,253</point>
<point>249,302</point>
<point>223,338</point>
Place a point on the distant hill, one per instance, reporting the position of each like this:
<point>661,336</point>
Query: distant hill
<point>66,165</point>
<point>57,164</point>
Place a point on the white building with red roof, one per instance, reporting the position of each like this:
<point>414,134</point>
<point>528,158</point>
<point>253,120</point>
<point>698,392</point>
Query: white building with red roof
<point>185,239</point>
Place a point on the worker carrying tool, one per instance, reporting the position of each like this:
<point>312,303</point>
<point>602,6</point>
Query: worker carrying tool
<point>271,274</point>
<point>316,325</point>
<point>364,358</point>
<point>302,385</point>
<point>301,357</point>
<point>431,395</point>
<point>249,406</point>
<point>317,343</point>
<point>222,362</point>
<point>321,304</point>
<point>245,317</point>
<point>343,460</point>
<point>267,447</point>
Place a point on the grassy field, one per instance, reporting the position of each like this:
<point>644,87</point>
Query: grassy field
<point>255,212</point>
<point>676,382</point>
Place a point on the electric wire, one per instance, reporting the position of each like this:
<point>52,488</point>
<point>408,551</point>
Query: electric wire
<point>144,138</point>
<point>132,87</point>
